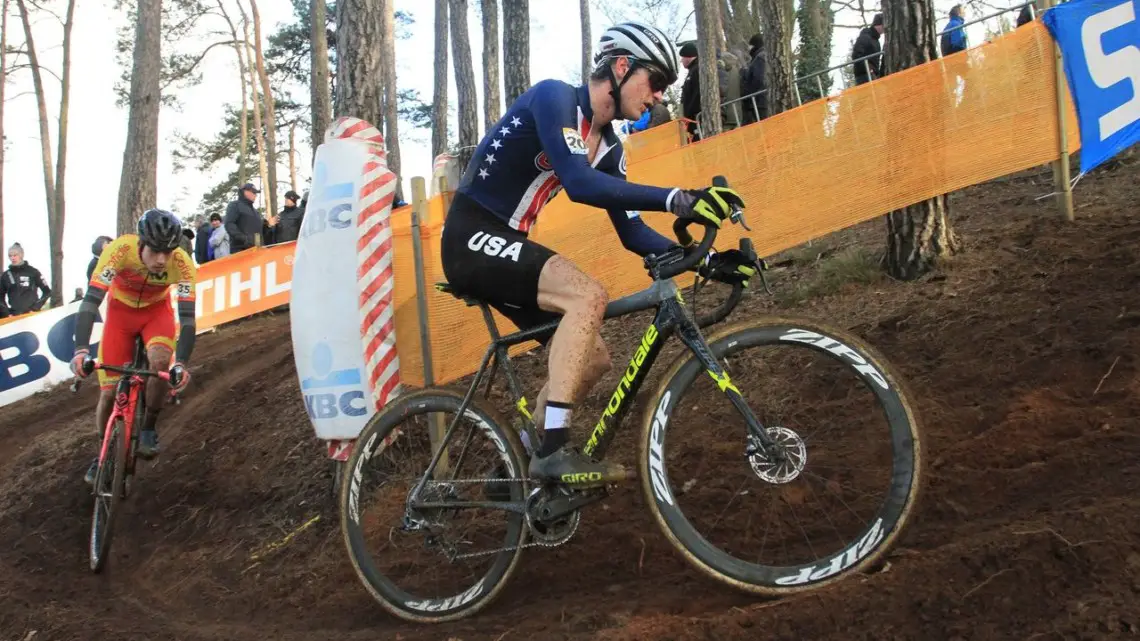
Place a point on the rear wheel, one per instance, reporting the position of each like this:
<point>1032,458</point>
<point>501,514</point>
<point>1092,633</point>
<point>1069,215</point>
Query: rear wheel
<point>829,501</point>
<point>433,563</point>
<point>109,480</point>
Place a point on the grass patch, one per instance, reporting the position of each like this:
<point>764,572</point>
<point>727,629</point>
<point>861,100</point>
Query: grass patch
<point>851,265</point>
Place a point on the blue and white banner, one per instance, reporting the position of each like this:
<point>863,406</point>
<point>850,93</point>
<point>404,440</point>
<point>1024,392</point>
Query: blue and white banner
<point>1100,45</point>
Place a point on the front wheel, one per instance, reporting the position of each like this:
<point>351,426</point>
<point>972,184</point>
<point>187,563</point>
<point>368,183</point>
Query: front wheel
<point>828,500</point>
<point>108,491</point>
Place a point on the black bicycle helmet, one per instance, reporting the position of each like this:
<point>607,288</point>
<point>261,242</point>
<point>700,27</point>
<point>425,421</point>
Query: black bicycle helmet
<point>160,230</point>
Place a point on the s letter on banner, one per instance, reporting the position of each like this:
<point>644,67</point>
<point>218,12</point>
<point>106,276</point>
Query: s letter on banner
<point>1100,44</point>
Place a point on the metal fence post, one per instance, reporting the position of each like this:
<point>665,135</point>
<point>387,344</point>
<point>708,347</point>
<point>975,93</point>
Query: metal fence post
<point>1061,184</point>
<point>419,213</point>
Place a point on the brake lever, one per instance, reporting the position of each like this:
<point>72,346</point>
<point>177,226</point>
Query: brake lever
<point>738,217</point>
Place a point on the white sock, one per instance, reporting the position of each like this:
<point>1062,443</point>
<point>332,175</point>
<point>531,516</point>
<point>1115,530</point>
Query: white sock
<point>557,415</point>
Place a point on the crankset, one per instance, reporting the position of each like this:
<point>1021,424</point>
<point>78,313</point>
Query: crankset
<point>554,512</point>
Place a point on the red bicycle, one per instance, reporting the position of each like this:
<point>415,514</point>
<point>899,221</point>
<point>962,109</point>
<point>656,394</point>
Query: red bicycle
<point>117,454</point>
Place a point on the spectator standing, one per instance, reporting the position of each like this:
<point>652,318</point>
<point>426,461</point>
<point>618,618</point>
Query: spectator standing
<point>202,240</point>
<point>96,250</point>
<point>953,36</point>
<point>290,219</point>
<point>219,238</point>
<point>753,80</point>
<point>242,222</point>
<point>18,286</point>
<point>865,45</point>
<point>691,88</point>
<point>78,295</point>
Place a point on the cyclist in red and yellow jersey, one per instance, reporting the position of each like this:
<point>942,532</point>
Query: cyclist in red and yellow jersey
<point>139,270</point>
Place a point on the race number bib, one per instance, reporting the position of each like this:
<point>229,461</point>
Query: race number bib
<point>574,141</point>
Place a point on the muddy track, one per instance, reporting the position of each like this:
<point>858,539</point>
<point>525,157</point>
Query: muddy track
<point>1029,526</point>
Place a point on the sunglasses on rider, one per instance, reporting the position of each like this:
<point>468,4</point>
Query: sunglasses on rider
<point>658,80</point>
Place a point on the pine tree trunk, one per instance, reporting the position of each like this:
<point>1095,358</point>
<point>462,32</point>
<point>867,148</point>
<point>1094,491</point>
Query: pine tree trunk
<point>270,117</point>
<point>920,234</point>
<point>41,105</point>
<point>439,93</point>
<point>775,16</point>
<point>3,82</point>
<point>587,41</point>
<point>492,101</point>
<point>817,24</point>
<point>239,47</point>
<point>464,82</point>
<point>516,48</point>
<point>138,184</point>
<point>319,80</point>
<point>358,64</point>
<point>707,41</point>
<point>388,78</point>
<point>293,155</point>
<point>56,227</point>
<point>258,129</point>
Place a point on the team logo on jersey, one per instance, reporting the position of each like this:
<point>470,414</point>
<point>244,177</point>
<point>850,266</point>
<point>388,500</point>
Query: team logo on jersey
<point>574,141</point>
<point>542,162</point>
<point>621,164</point>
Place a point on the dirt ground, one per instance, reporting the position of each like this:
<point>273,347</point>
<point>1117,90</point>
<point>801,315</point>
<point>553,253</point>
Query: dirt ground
<point>1021,354</point>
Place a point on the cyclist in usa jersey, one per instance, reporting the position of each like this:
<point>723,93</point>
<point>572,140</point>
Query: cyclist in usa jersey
<point>556,136</point>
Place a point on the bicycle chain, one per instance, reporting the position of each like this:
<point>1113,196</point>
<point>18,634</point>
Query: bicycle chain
<point>509,548</point>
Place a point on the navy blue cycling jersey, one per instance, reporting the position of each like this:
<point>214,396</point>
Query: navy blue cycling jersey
<point>538,148</point>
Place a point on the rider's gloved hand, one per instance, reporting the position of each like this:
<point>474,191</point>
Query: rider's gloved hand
<point>706,206</point>
<point>730,266</point>
<point>81,363</point>
<point>179,377</point>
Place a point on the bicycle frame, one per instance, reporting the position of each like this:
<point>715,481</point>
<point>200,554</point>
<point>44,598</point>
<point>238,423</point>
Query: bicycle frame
<point>126,400</point>
<point>672,317</point>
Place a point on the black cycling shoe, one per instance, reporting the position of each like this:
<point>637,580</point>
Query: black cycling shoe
<point>148,444</point>
<point>89,477</point>
<point>570,466</point>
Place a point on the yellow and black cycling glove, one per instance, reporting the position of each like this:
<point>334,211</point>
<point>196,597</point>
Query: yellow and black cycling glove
<point>707,206</point>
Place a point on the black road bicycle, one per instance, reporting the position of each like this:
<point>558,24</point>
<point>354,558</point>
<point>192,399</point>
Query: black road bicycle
<point>447,474</point>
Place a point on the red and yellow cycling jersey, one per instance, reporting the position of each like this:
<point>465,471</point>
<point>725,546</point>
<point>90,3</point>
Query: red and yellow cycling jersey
<point>120,269</point>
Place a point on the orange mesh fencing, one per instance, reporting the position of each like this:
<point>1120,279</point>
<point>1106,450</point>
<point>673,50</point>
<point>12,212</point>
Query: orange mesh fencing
<point>829,164</point>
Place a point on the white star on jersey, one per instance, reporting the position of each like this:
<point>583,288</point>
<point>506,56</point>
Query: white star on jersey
<point>483,173</point>
<point>496,144</point>
<point>515,122</point>
<point>505,131</point>
<point>490,159</point>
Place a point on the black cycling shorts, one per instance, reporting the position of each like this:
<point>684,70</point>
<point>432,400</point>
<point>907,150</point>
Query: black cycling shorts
<point>485,259</point>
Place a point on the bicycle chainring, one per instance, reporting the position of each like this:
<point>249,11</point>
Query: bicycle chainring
<point>550,531</point>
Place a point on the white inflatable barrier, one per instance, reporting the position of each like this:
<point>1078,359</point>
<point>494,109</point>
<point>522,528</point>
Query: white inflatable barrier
<point>341,314</point>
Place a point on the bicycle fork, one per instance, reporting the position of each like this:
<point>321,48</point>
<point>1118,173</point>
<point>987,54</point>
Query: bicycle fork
<point>760,442</point>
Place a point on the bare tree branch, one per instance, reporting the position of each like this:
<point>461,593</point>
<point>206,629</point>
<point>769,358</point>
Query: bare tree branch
<point>194,65</point>
<point>29,66</point>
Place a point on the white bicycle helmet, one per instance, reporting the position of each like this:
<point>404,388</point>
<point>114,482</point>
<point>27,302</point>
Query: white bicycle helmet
<point>644,45</point>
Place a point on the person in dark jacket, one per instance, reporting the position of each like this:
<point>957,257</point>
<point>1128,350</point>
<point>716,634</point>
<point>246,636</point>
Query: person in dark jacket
<point>691,89</point>
<point>753,80</point>
<point>96,250</point>
<point>242,222</point>
<point>202,242</point>
<point>290,218</point>
<point>18,285</point>
<point>865,45</point>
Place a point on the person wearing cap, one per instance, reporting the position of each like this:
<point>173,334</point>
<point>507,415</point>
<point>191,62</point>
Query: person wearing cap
<point>691,88</point>
<point>289,220</point>
<point>18,285</point>
<point>865,45</point>
<point>243,223</point>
